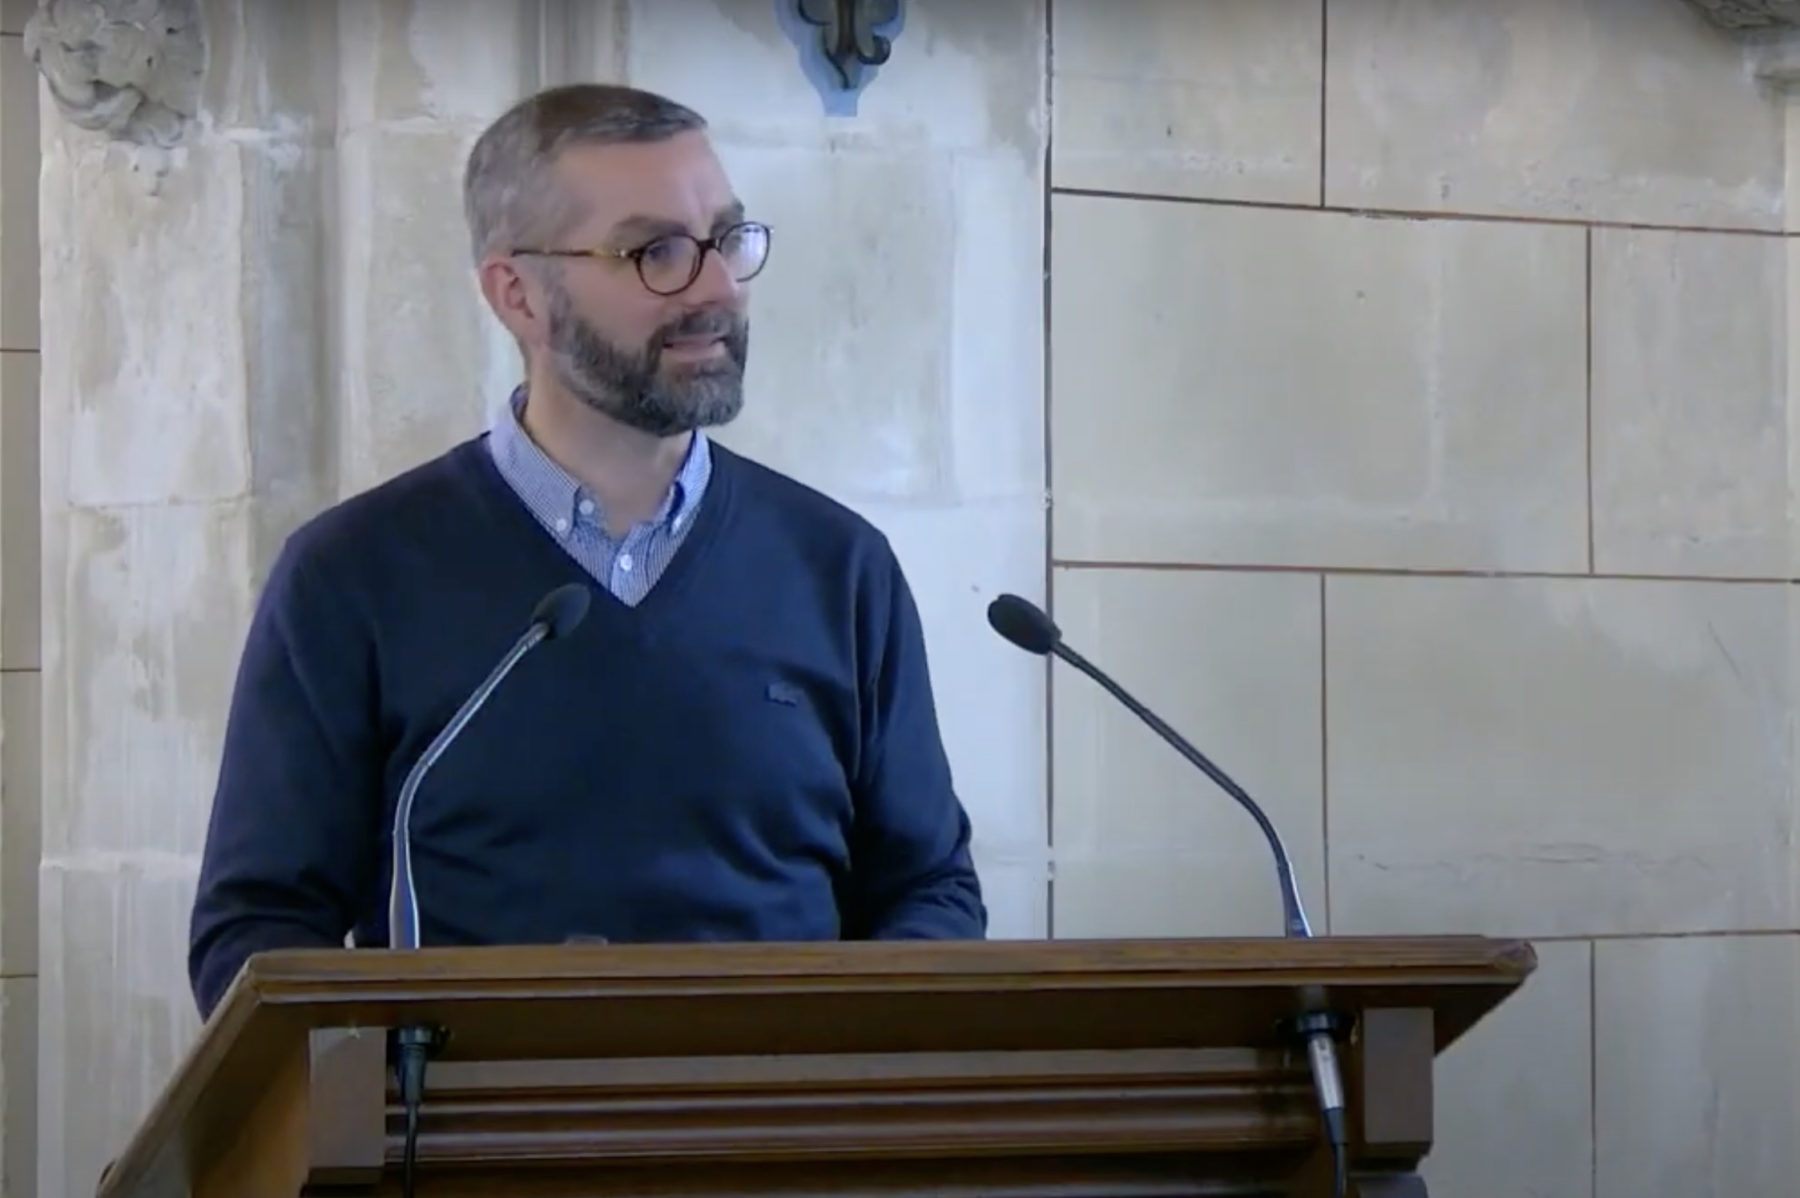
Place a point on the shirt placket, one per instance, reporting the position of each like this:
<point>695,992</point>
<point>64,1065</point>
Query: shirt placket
<point>629,562</point>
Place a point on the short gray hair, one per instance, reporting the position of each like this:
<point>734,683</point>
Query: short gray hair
<point>509,197</point>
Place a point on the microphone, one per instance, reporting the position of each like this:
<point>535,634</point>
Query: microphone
<point>556,615</point>
<point>1028,627</point>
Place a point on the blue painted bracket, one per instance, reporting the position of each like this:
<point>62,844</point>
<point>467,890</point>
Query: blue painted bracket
<point>814,25</point>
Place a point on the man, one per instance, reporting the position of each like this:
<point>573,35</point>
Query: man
<point>738,742</point>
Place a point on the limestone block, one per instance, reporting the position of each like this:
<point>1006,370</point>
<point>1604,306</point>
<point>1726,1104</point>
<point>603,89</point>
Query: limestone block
<point>1217,100</point>
<point>18,1086</point>
<point>1690,420</point>
<point>21,539</point>
<point>1016,892</point>
<point>117,1015</point>
<point>1147,845</point>
<point>1697,1068</point>
<point>19,158</point>
<point>21,787</point>
<point>194,348</point>
<point>1514,1096</point>
<point>449,65</point>
<point>1620,110</point>
<point>14,14</point>
<point>1540,757</point>
<point>1249,386</point>
<point>155,604</point>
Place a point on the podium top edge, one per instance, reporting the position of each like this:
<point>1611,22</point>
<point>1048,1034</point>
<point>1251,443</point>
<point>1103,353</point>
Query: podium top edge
<point>1400,960</point>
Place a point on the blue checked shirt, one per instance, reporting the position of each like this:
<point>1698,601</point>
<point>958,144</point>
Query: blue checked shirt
<point>628,566</point>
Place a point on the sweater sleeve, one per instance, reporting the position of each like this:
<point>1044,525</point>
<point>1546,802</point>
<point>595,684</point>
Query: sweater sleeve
<point>291,842</point>
<point>912,875</point>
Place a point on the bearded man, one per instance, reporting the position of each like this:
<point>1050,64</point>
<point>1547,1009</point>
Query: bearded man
<point>737,742</point>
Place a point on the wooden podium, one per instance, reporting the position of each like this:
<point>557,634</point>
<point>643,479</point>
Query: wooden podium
<point>1004,1068</point>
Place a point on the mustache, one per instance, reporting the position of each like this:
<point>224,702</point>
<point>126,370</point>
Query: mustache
<point>716,322</point>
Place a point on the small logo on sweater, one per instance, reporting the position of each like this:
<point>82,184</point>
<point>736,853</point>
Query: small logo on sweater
<point>783,693</point>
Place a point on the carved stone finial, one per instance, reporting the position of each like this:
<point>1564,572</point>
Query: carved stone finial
<point>128,68</point>
<point>1750,16</point>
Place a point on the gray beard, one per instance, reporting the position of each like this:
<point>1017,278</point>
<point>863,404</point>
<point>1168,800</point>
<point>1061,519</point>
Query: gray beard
<point>630,387</point>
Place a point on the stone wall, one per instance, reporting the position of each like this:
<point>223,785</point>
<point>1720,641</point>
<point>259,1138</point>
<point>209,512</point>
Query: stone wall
<point>1411,384</point>
<point>19,606</point>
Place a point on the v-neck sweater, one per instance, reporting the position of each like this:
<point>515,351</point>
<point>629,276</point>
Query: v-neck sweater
<point>751,752</point>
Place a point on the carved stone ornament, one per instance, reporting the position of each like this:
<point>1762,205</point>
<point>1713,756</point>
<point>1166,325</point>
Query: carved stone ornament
<point>128,68</point>
<point>847,33</point>
<point>1750,16</point>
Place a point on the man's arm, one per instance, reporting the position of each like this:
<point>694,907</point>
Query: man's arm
<point>292,840</point>
<point>912,876</point>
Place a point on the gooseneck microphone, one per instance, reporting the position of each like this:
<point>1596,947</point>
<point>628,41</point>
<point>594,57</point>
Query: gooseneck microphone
<point>556,615</point>
<point>1027,626</point>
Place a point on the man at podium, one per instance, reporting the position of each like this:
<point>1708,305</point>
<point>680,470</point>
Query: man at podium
<point>701,709</point>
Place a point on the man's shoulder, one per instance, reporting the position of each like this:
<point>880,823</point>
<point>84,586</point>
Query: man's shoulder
<point>365,528</point>
<point>817,519</point>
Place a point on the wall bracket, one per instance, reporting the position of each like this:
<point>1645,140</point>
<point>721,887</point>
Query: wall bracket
<point>842,43</point>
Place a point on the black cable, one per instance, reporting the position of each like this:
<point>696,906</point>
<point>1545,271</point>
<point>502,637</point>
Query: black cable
<point>415,1045</point>
<point>1340,1152</point>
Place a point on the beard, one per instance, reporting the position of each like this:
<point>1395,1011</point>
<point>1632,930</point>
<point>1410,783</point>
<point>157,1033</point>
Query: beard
<point>632,387</point>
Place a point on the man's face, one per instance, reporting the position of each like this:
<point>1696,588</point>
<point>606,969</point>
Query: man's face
<point>665,364</point>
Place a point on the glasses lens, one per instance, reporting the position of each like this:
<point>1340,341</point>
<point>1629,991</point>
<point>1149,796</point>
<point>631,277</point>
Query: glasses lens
<point>670,264</point>
<point>745,249</point>
<point>667,263</point>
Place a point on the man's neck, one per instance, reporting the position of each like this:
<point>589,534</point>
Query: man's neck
<point>629,471</point>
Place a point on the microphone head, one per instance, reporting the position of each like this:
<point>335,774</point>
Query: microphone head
<point>561,610</point>
<point>1024,624</point>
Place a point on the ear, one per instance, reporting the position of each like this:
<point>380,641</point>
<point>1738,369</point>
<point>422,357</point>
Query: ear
<point>516,296</point>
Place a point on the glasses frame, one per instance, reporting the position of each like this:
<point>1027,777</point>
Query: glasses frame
<point>702,246</point>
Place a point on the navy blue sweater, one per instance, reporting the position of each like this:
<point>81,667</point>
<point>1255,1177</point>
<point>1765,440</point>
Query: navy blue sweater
<point>751,753</point>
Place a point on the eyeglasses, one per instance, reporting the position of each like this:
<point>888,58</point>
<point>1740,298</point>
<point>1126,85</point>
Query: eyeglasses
<point>670,264</point>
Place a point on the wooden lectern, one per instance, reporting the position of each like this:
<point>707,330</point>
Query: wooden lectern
<point>1006,1068</point>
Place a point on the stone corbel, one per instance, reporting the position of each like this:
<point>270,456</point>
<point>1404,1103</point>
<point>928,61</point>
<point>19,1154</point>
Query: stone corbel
<point>131,69</point>
<point>1770,29</point>
<point>1750,16</point>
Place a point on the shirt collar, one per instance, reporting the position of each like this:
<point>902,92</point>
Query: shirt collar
<point>533,472</point>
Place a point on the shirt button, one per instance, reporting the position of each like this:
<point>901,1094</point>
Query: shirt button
<point>625,562</point>
<point>587,507</point>
<point>562,525</point>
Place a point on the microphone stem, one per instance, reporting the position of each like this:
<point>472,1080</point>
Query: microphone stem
<point>1316,1027</point>
<point>1293,913</point>
<point>403,899</point>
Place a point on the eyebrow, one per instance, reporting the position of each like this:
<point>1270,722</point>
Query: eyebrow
<point>651,227</point>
